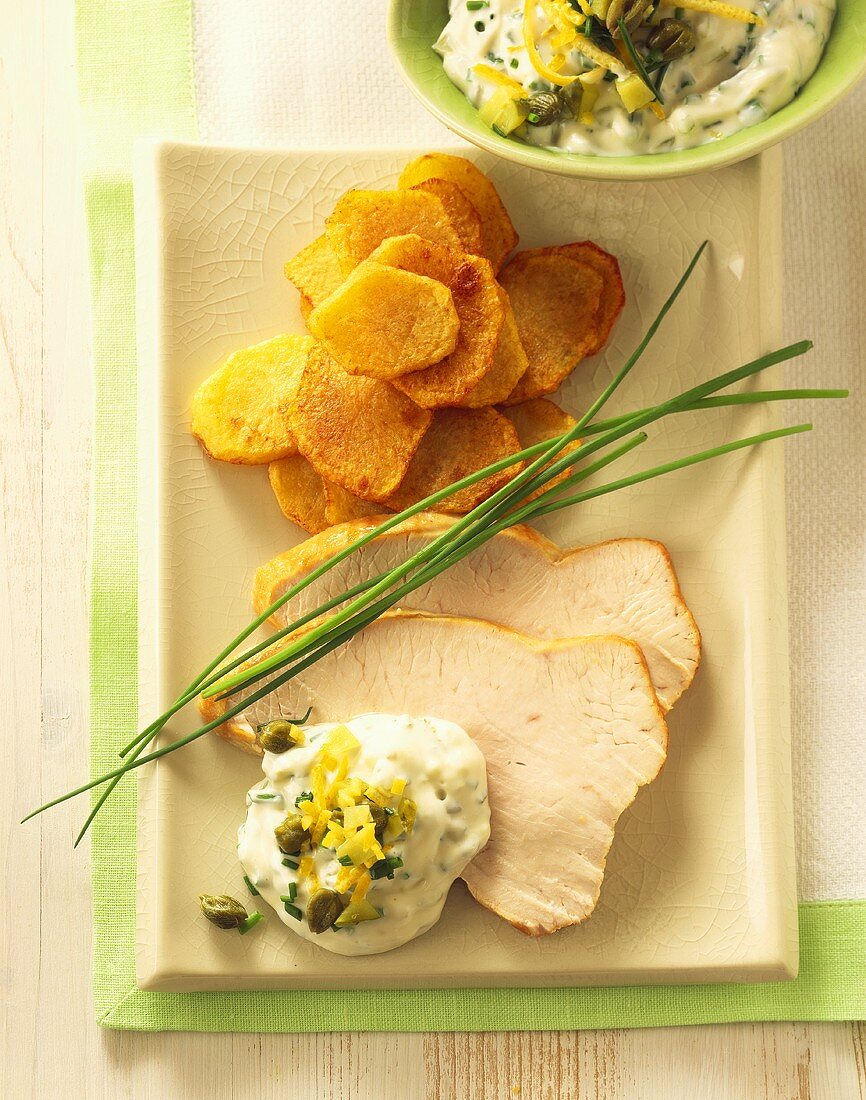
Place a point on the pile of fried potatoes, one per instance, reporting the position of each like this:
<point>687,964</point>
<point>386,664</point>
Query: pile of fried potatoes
<point>428,356</point>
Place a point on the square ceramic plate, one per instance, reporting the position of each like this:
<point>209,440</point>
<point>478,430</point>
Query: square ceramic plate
<point>700,880</point>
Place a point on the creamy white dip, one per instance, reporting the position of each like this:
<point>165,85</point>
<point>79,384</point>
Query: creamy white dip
<point>446,779</point>
<point>737,75</point>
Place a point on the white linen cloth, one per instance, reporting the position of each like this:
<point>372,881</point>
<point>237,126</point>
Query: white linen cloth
<point>304,73</point>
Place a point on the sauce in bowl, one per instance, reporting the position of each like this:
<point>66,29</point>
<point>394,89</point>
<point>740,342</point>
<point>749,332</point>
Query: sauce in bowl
<point>737,75</point>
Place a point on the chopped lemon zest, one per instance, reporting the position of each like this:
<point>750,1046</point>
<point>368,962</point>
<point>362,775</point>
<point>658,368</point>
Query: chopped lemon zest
<point>362,887</point>
<point>654,104</point>
<point>356,816</point>
<point>727,11</point>
<point>398,786</point>
<point>599,56</point>
<point>534,56</point>
<point>377,795</point>
<point>487,72</point>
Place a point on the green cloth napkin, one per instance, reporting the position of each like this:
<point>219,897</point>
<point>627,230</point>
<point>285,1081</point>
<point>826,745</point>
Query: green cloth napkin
<point>136,79</point>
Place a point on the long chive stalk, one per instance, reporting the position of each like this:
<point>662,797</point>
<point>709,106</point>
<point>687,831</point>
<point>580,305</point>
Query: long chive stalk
<point>429,502</point>
<point>755,397</point>
<point>544,470</point>
<point>504,508</point>
<point>349,630</point>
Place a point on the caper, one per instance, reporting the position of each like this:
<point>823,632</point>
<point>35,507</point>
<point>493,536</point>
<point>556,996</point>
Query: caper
<point>323,909</point>
<point>221,910</point>
<point>291,835</point>
<point>277,736</point>
<point>380,818</point>
<point>631,12</point>
<point>671,39</point>
<point>545,108</point>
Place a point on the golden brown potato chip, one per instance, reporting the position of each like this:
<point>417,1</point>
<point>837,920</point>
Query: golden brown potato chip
<point>305,306</point>
<point>241,412</point>
<point>383,322</point>
<point>359,432</point>
<point>537,421</point>
<point>458,442</point>
<point>315,271</point>
<point>476,299</point>
<point>342,506</point>
<point>613,292</point>
<point>300,492</point>
<point>509,364</point>
<point>363,219</point>
<point>464,217</point>
<point>498,234</point>
<point>555,300</point>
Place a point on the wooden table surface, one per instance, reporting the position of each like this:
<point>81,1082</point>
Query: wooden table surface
<point>51,1043</point>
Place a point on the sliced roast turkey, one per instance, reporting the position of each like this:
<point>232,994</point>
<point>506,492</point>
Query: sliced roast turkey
<point>570,730</point>
<point>520,579</point>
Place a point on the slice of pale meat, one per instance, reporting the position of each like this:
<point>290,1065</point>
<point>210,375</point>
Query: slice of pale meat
<point>520,579</point>
<point>570,730</point>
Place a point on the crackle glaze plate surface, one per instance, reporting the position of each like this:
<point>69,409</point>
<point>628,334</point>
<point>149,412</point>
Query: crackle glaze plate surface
<point>700,882</point>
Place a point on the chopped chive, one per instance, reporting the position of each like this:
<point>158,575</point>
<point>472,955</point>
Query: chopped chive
<point>293,910</point>
<point>514,63</point>
<point>291,863</point>
<point>587,26</point>
<point>250,922</point>
<point>385,868</point>
<point>345,860</point>
<point>250,886</point>
<point>532,117</point>
<point>292,894</point>
<point>304,796</point>
<point>477,5</point>
<point>479,26</point>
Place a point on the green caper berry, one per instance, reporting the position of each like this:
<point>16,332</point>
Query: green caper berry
<point>291,835</point>
<point>379,817</point>
<point>672,38</point>
<point>631,12</point>
<point>276,736</point>
<point>323,909</point>
<point>222,910</point>
<point>545,108</point>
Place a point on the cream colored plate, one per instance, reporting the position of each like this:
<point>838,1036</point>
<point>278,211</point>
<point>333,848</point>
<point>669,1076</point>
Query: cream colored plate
<point>700,881</point>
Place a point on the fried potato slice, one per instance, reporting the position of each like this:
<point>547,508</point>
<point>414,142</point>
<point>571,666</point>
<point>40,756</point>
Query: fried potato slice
<point>458,442</point>
<point>361,220</point>
<point>538,420</point>
<point>241,412</point>
<point>384,322</point>
<point>305,306</point>
<point>498,234</point>
<point>555,300</point>
<point>476,299</point>
<point>300,492</point>
<point>315,271</point>
<point>464,217</point>
<point>613,292</point>
<point>508,367</point>
<point>342,506</point>
<point>359,432</point>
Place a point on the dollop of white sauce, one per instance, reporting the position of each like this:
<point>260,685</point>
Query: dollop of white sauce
<point>447,780</point>
<point>736,76</point>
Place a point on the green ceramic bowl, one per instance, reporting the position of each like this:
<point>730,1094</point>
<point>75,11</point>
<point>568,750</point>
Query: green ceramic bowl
<point>414,25</point>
